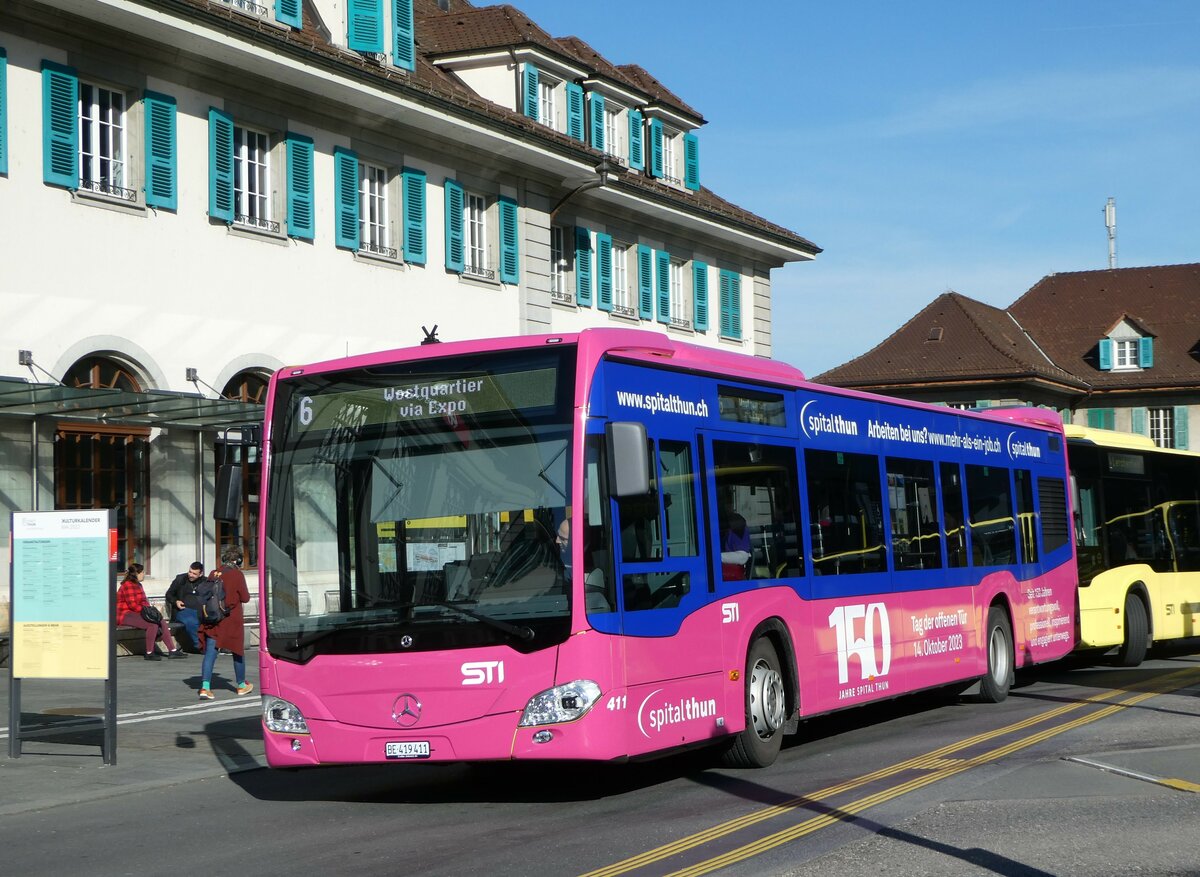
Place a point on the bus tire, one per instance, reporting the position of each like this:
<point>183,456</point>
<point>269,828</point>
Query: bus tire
<point>766,710</point>
<point>1133,650</point>
<point>994,686</point>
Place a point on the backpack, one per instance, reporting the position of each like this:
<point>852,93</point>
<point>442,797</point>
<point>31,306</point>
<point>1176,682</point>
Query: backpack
<point>211,594</point>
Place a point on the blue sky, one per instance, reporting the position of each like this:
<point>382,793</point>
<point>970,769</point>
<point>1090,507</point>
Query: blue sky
<point>927,146</point>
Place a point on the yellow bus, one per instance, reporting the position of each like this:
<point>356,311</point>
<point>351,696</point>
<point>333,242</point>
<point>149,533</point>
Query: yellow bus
<point>1137,538</point>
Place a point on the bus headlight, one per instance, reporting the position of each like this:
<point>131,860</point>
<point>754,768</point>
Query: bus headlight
<point>283,717</point>
<point>563,703</point>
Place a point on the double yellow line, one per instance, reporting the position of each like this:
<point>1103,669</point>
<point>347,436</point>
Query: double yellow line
<point>934,767</point>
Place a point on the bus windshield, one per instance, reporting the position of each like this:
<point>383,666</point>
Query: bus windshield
<point>417,506</point>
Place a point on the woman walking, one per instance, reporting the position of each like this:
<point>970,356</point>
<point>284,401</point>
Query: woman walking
<point>229,632</point>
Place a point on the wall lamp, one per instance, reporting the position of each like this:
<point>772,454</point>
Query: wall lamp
<point>25,358</point>
<point>193,377</point>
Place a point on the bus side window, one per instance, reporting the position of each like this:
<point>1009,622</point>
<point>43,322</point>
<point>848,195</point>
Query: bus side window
<point>952,503</point>
<point>912,503</point>
<point>1027,523</point>
<point>993,536</point>
<point>757,484</point>
<point>599,584</point>
<point>845,504</point>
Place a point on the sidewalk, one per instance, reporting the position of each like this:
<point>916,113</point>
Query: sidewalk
<point>165,734</point>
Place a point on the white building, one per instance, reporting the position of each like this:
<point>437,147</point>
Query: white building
<point>196,192</point>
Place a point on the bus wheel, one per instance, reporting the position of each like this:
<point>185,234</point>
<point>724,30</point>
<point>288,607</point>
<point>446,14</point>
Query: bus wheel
<point>758,745</point>
<point>994,686</point>
<point>1133,650</point>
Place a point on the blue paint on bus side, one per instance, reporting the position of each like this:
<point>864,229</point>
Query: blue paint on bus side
<point>676,403</point>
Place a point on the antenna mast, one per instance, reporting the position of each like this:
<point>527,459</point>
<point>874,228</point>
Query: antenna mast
<point>1110,221</point>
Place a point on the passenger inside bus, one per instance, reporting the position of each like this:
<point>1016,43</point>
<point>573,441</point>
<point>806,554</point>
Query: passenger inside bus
<point>735,549</point>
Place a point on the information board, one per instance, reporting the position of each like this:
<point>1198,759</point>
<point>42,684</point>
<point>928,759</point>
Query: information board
<point>62,595</point>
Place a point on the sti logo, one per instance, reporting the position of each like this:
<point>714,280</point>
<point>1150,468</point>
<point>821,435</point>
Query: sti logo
<point>480,672</point>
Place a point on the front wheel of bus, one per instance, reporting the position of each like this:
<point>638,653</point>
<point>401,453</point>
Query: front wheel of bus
<point>994,686</point>
<point>758,745</point>
<point>1133,651</point>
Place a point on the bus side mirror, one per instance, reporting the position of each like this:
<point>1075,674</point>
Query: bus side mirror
<point>227,505</point>
<point>628,459</point>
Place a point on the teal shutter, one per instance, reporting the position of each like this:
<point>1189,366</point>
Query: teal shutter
<point>583,266</point>
<point>731,304</point>
<point>510,255</point>
<point>700,296</point>
<point>645,271</point>
<point>366,25</point>
<point>575,111</point>
<point>300,206</point>
<point>1145,352</point>
<point>60,125</point>
<point>691,162</point>
<point>1137,420</point>
<point>1181,427</point>
<point>414,216</point>
<point>1101,418</point>
<point>404,50</point>
<point>637,155</point>
<point>456,256</point>
<point>3,112</point>
<point>161,150</point>
<point>289,12</point>
<point>596,117</point>
<point>1106,354</point>
<point>220,165</point>
<point>345,198</point>
<point>656,148</point>
<point>530,91</point>
<point>662,275</point>
<point>604,272</point>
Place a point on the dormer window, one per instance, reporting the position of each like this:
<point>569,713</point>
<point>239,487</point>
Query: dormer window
<point>1126,347</point>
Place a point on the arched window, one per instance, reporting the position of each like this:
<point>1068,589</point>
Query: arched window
<point>106,467</point>
<point>246,386</point>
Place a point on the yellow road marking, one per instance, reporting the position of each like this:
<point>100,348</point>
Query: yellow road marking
<point>1182,785</point>
<point>939,766</point>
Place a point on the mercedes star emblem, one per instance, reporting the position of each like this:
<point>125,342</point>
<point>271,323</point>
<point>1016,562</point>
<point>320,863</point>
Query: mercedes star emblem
<point>406,710</point>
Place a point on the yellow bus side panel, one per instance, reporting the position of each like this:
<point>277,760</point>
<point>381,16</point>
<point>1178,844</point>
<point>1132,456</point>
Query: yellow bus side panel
<point>1174,605</point>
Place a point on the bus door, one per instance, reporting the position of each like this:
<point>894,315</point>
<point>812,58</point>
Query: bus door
<point>754,513</point>
<point>672,654</point>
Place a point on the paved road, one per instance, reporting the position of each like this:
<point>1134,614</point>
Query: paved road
<point>1082,771</point>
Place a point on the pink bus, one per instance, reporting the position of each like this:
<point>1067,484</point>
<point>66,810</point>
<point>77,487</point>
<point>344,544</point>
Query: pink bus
<point>612,545</point>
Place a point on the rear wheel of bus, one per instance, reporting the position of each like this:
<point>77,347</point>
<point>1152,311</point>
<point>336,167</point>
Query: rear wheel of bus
<point>1133,650</point>
<point>994,686</point>
<point>766,710</point>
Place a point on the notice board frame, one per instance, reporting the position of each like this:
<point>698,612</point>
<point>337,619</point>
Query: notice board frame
<point>63,601</point>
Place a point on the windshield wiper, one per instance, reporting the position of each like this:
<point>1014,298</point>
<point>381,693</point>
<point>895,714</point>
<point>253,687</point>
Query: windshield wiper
<point>518,630</point>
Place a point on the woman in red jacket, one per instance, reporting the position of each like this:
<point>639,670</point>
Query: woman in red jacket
<point>131,598</point>
<point>230,632</point>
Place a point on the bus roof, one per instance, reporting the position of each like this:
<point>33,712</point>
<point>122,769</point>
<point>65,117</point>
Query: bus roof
<point>1109,438</point>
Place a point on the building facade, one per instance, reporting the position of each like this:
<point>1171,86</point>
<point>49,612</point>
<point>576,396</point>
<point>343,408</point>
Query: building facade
<point>195,192</point>
<point>1115,349</point>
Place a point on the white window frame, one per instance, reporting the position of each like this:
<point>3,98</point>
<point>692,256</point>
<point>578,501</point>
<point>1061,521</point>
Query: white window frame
<point>253,204</point>
<point>1162,426</point>
<point>476,245</point>
<point>548,101</point>
<point>376,226</point>
<point>104,129</point>
<point>1125,353</point>
<point>669,159</point>
<point>622,253</point>
<point>558,264</point>
<point>613,130</point>
<point>681,317</point>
